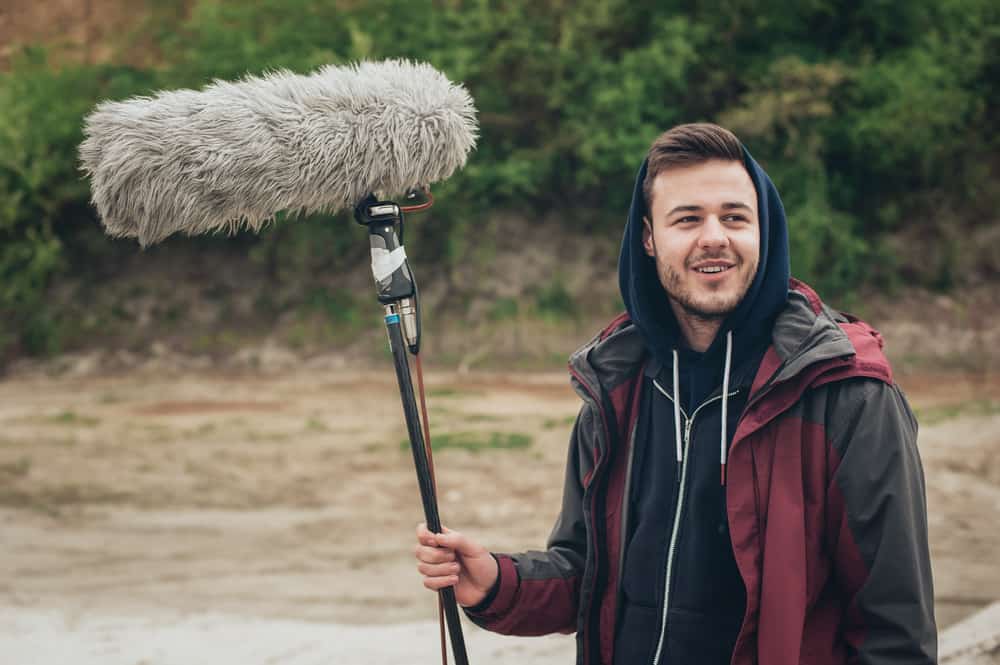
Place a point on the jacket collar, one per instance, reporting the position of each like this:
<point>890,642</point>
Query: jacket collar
<point>805,335</point>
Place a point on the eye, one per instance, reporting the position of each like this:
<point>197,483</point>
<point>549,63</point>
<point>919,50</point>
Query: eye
<point>734,218</point>
<point>687,219</point>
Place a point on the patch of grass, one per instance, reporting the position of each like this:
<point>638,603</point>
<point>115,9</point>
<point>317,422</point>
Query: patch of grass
<point>482,418</point>
<point>447,391</point>
<point>72,418</point>
<point>268,436</point>
<point>17,468</point>
<point>503,309</point>
<point>552,423</point>
<point>476,441</point>
<point>940,414</point>
<point>442,412</point>
<point>443,392</point>
<point>316,425</point>
<point>200,430</point>
<point>109,398</point>
<point>221,341</point>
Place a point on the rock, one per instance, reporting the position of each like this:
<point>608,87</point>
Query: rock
<point>973,641</point>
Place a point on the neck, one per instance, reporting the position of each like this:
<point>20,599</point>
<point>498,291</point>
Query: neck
<point>699,331</point>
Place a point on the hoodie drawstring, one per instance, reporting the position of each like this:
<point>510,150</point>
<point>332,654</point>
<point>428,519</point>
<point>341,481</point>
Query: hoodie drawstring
<point>677,415</point>
<point>723,446</point>
<point>724,438</point>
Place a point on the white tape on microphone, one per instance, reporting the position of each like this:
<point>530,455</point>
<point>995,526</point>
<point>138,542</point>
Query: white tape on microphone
<point>384,262</point>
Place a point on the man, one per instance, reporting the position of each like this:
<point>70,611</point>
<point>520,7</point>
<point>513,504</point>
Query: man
<point>743,484</point>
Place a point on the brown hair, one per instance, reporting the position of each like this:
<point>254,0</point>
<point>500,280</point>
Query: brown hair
<point>687,145</point>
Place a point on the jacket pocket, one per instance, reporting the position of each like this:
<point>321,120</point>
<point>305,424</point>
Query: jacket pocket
<point>695,637</point>
<point>638,633</point>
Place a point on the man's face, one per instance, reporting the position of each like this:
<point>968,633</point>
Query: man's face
<point>704,234</point>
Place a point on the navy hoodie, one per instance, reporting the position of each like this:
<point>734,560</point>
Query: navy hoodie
<point>706,596</point>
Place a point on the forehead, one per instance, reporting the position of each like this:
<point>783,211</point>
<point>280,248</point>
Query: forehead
<point>707,185</point>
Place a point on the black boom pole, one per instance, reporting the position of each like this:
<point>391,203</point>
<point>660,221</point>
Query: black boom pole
<point>398,294</point>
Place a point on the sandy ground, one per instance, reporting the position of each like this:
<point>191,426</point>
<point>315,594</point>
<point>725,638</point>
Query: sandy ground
<point>268,519</point>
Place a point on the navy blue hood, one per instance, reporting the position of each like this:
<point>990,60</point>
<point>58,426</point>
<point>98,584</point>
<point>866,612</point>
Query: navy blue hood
<point>751,321</point>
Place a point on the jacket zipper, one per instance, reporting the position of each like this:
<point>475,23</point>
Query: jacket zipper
<point>688,423</point>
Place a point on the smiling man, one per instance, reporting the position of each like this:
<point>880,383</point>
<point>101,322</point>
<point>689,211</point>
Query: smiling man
<point>743,484</point>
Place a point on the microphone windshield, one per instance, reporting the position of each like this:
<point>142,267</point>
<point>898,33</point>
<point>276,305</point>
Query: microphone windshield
<point>234,154</point>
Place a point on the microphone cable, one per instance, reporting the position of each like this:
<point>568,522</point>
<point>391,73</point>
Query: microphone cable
<point>430,464</point>
<point>418,207</point>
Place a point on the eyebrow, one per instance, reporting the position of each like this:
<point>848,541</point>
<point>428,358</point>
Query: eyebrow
<point>728,205</point>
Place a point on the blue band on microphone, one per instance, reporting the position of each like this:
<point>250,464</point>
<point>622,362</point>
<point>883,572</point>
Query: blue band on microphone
<point>391,318</point>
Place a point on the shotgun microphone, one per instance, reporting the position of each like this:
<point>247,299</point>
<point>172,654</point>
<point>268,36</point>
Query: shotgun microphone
<point>234,154</point>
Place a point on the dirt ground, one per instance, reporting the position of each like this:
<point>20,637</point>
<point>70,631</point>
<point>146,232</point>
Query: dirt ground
<point>141,514</point>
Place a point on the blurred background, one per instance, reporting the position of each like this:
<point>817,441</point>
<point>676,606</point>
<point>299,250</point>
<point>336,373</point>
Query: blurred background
<point>190,428</point>
<point>878,121</point>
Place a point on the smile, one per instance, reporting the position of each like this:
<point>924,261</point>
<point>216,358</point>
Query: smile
<point>713,268</point>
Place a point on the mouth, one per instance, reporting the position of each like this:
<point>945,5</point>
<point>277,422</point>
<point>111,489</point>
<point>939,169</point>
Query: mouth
<point>713,267</point>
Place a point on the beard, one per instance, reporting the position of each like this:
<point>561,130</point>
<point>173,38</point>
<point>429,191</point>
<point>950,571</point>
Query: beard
<point>705,304</point>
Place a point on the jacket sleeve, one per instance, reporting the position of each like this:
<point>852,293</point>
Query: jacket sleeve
<point>878,502</point>
<point>538,592</point>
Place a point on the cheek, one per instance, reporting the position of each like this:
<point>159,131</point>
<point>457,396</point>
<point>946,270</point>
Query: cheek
<point>674,246</point>
<point>748,246</point>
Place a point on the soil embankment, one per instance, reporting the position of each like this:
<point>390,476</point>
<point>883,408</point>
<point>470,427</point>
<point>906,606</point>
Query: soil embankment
<point>143,515</point>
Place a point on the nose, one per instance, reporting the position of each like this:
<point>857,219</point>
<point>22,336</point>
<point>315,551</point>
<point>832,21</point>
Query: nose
<point>713,234</point>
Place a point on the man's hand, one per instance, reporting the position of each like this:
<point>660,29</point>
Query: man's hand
<point>451,559</point>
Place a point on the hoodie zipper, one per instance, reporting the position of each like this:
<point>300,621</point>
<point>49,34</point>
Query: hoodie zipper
<point>688,423</point>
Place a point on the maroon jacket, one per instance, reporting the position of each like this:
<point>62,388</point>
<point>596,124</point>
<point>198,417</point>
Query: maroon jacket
<point>825,496</point>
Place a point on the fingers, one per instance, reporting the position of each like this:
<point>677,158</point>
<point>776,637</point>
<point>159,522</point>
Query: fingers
<point>438,583</point>
<point>433,554</point>
<point>449,539</point>
<point>425,537</point>
<point>439,569</point>
<point>458,542</point>
<point>429,553</point>
<point>437,564</point>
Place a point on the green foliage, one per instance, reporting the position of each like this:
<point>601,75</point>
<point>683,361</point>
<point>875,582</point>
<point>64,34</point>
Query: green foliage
<point>554,301</point>
<point>476,441</point>
<point>503,309</point>
<point>982,408</point>
<point>72,418</point>
<point>871,118</point>
<point>42,195</point>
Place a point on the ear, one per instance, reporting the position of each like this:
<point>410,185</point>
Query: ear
<point>647,237</point>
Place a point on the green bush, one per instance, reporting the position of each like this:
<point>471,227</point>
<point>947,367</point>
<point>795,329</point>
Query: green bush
<point>43,198</point>
<point>869,116</point>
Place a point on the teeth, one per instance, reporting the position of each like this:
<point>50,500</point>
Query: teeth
<point>712,269</point>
